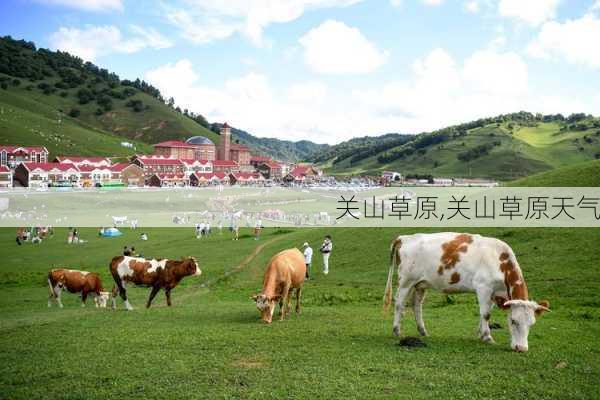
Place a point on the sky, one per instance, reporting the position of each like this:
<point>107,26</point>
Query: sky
<point>330,70</point>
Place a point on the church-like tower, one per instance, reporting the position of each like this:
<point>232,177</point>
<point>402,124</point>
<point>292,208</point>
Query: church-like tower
<point>225,143</point>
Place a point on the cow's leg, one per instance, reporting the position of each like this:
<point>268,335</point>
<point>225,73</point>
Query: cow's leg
<point>153,292</point>
<point>168,295</point>
<point>50,293</point>
<point>298,297</point>
<point>419,296</point>
<point>404,289</point>
<point>114,293</point>
<point>57,292</point>
<point>284,302</point>
<point>84,294</point>
<point>123,293</point>
<point>484,296</point>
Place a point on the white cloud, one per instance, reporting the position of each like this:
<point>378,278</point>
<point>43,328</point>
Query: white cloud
<point>432,2</point>
<point>87,5</point>
<point>472,6</point>
<point>440,91</point>
<point>151,37</point>
<point>532,12</point>
<point>335,48</point>
<point>574,41</point>
<point>496,73</point>
<point>203,21</point>
<point>595,6</point>
<point>96,41</point>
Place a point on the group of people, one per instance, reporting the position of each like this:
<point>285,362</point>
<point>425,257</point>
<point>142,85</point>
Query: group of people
<point>202,229</point>
<point>34,234</point>
<point>325,250</point>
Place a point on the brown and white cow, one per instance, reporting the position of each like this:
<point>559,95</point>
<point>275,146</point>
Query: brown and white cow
<point>454,263</point>
<point>75,281</point>
<point>286,271</point>
<point>157,274</point>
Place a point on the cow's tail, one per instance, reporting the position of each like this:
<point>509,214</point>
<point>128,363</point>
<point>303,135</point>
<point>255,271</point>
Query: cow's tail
<point>394,263</point>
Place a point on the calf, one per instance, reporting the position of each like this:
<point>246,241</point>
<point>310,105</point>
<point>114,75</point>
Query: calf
<point>285,271</point>
<point>74,281</point>
<point>157,274</point>
<point>454,263</point>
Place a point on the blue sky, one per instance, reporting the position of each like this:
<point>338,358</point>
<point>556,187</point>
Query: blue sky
<point>329,70</point>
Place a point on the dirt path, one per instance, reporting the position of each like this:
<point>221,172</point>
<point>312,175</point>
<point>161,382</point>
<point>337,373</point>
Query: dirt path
<point>247,260</point>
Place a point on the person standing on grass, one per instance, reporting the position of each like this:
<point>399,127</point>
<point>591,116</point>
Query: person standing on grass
<point>325,249</point>
<point>308,252</point>
<point>257,229</point>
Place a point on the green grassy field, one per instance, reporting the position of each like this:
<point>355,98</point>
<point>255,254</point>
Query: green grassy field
<point>579,175</point>
<point>211,344</point>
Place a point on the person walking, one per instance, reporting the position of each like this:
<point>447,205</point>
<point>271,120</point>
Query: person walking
<point>308,253</point>
<point>325,250</point>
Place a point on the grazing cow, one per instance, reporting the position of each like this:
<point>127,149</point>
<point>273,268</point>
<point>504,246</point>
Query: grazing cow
<point>286,271</point>
<point>454,263</point>
<point>76,282</point>
<point>157,274</point>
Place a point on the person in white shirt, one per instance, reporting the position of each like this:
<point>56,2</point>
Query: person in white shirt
<point>308,252</point>
<point>325,249</point>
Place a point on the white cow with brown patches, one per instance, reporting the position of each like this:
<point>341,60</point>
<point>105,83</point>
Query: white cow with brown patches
<point>157,274</point>
<point>81,282</point>
<point>455,263</point>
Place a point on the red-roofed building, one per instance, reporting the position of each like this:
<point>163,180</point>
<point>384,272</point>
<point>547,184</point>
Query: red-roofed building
<point>91,175</point>
<point>79,161</point>
<point>127,174</point>
<point>209,178</point>
<point>6,176</point>
<point>271,169</point>
<point>168,180</point>
<point>240,154</point>
<point>11,156</point>
<point>225,166</point>
<point>302,173</point>
<point>47,174</point>
<point>255,161</point>
<point>175,149</point>
<point>190,166</point>
<point>154,165</point>
<point>246,178</point>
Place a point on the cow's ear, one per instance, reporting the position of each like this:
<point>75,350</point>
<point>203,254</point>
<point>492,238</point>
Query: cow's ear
<point>542,306</point>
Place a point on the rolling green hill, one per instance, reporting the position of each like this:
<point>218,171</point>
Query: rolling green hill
<point>57,100</point>
<point>504,147</point>
<point>585,174</point>
<point>97,110</point>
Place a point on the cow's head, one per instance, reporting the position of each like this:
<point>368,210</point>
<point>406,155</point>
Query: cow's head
<point>192,266</point>
<point>102,299</point>
<point>266,306</point>
<point>520,319</point>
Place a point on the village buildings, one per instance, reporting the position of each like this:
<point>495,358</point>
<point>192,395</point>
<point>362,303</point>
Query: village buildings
<point>195,162</point>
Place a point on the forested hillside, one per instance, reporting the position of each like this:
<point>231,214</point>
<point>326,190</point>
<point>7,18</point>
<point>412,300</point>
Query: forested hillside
<point>504,147</point>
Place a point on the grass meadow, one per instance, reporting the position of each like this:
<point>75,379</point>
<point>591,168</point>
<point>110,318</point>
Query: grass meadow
<point>211,343</point>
